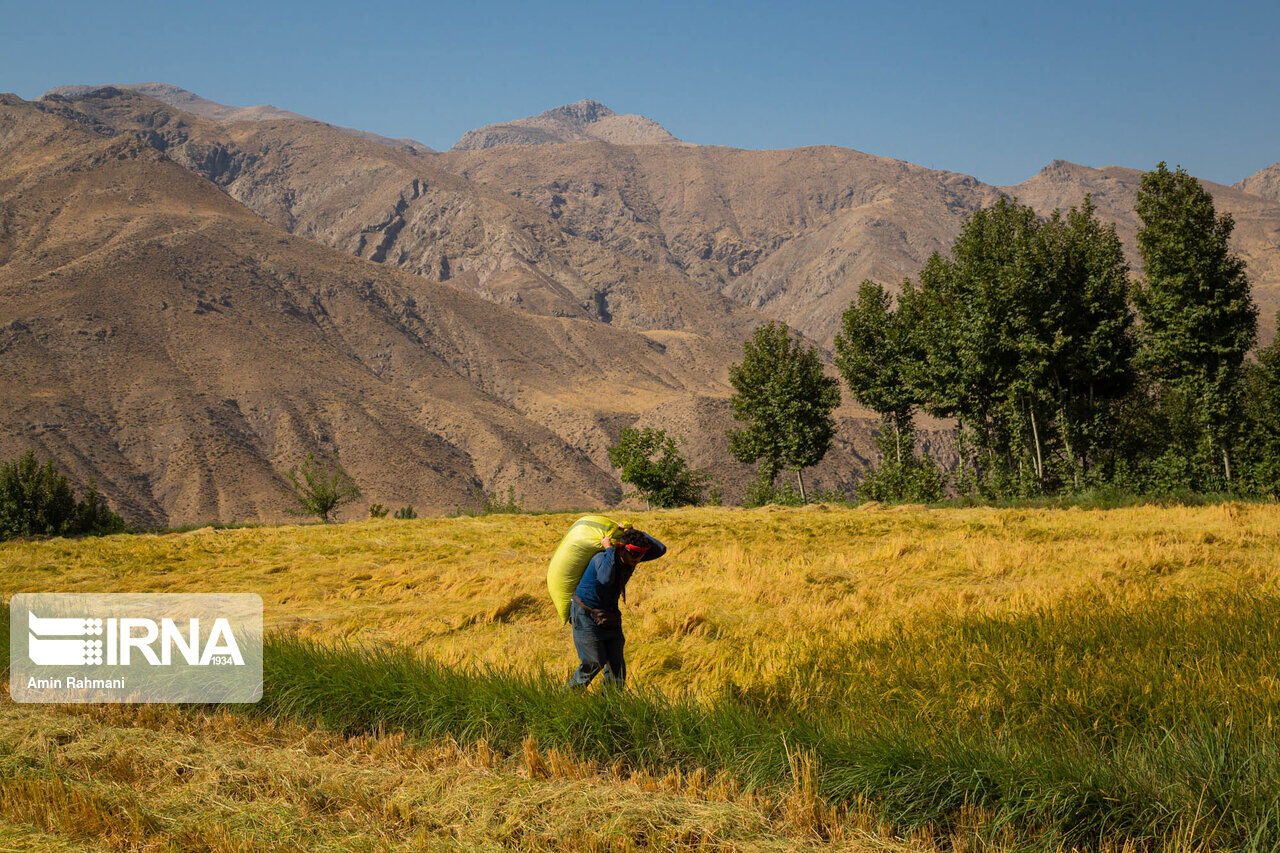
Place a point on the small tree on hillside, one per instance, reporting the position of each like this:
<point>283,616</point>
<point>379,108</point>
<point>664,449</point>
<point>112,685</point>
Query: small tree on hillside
<point>785,399</point>
<point>1198,316</point>
<point>650,460</point>
<point>318,491</point>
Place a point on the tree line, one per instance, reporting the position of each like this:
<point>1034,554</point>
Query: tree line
<point>1061,373</point>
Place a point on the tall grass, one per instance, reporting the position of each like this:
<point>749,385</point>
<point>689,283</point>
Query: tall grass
<point>1079,726</point>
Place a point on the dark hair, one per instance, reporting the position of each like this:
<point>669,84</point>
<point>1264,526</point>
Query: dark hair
<point>630,536</point>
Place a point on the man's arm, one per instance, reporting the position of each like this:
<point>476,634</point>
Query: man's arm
<point>606,567</point>
<point>656,549</point>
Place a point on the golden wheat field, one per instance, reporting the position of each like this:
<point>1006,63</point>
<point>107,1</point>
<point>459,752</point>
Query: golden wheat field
<point>738,592</point>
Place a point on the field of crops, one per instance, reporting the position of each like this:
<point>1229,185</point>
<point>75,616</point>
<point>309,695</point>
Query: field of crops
<point>820,678</point>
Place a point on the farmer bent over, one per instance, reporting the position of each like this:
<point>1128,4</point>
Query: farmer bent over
<point>594,614</point>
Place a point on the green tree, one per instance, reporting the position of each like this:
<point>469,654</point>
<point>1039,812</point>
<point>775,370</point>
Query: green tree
<point>876,352</point>
<point>1025,337</point>
<point>1262,417</point>
<point>785,400</point>
<point>317,490</point>
<point>1198,316</point>
<point>1086,360</point>
<point>36,500</point>
<point>651,461</point>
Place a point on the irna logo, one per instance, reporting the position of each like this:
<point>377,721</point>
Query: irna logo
<point>135,647</point>
<point>72,641</point>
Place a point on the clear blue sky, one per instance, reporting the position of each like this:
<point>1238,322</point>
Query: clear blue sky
<point>996,90</point>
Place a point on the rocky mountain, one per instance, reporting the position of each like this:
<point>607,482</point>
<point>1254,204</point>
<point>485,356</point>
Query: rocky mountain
<point>402,208</point>
<point>190,102</point>
<point>793,233</point>
<point>577,122</point>
<point>1264,183</point>
<point>164,339</point>
<point>190,303</point>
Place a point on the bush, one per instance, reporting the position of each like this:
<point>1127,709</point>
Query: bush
<point>35,500</point>
<point>911,478</point>
<point>405,513</point>
<point>377,511</point>
<point>318,491</point>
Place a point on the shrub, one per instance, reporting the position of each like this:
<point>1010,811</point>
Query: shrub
<point>317,490</point>
<point>898,478</point>
<point>650,460</point>
<point>377,511</point>
<point>405,513</point>
<point>35,500</point>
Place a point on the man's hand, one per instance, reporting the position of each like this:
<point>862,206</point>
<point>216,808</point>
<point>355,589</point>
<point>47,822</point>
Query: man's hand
<point>605,542</point>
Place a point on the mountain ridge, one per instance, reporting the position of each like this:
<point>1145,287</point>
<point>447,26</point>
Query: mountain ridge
<point>190,102</point>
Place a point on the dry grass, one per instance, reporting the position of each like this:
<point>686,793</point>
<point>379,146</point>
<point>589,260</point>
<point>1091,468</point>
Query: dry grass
<point>736,590</point>
<point>738,593</point>
<point>160,778</point>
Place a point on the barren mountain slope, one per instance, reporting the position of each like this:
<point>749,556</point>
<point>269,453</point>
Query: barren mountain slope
<point>1264,183</point>
<point>794,232</point>
<point>190,102</point>
<point>791,232</point>
<point>1114,189</point>
<point>583,120</point>
<point>402,209</point>
<point>164,339</point>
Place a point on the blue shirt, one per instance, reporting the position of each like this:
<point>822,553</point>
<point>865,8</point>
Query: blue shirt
<point>605,579</point>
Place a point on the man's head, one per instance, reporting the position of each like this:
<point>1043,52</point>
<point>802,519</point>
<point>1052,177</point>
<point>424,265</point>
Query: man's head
<point>630,545</point>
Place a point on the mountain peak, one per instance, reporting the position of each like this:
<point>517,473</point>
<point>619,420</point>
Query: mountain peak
<point>585,110</point>
<point>580,121</point>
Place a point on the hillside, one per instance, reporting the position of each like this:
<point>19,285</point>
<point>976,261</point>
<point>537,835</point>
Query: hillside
<point>793,233</point>
<point>790,233</point>
<point>476,301</point>
<point>164,339</point>
<point>696,238</point>
<point>400,208</point>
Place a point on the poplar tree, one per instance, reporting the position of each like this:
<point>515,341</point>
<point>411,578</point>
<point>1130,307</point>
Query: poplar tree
<point>1025,336</point>
<point>877,355</point>
<point>1262,412</point>
<point>785,399</point>
<point>1198,316</point>
<point>874,353</point>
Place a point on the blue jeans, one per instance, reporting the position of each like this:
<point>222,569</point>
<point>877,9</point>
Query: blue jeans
<point>597,648</point>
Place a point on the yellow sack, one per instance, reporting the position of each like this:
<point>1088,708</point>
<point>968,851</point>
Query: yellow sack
<point>575,550</point>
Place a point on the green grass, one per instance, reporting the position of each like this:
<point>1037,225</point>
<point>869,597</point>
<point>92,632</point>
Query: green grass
<point>1082,725</point>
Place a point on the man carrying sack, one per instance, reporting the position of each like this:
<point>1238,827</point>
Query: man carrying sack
<point>594,614</point>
